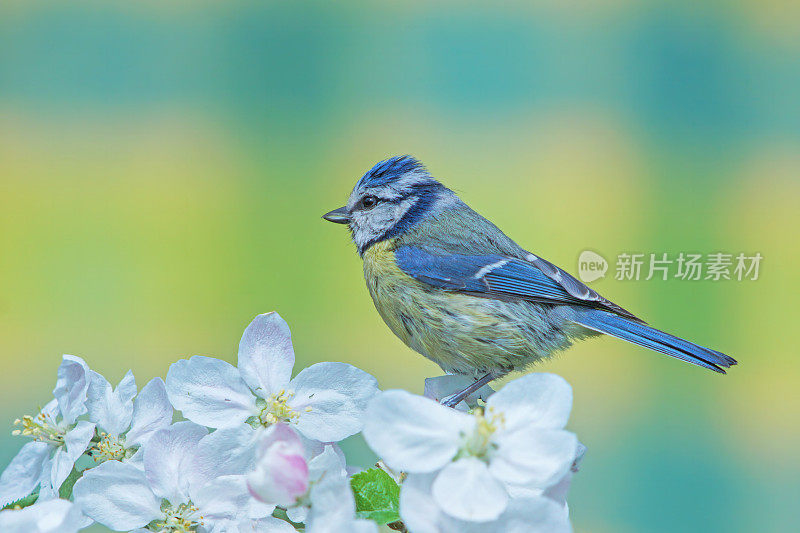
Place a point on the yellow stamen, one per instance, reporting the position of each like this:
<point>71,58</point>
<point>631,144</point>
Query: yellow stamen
<point>110,448</point>
<point>479,444</point>
<point>40,429</point>
<point>277,409</point>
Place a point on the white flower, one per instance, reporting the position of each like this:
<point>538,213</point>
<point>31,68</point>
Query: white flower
<point>51,516</point>
<point>325,401</point>
<point>421,513</point>
<point>59,439</point>
<point>124,425</point>
<point>517,440</point>
<point>287,472</point>
<point>191,481</point>
<point>441,387</point>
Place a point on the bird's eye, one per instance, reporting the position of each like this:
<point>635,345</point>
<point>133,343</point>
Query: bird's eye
<point>369,201</point>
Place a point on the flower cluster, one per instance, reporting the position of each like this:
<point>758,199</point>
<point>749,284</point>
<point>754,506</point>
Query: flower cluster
<point>221,449</point>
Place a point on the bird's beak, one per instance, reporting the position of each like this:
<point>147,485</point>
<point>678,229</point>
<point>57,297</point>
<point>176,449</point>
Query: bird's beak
<point>338,216</point>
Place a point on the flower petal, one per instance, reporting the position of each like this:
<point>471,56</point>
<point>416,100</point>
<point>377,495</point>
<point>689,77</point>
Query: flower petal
<point>331,399</point>
<point>332,462</point>
<point>333,509</point>
<point>165,460</point>
<point>228,451</point>
<point>532,515</point>
<point>282,433</point>
<point>118,496</point>
<point>311,446</point>
<point>359,526</point>
<point>151,412</point>
<point>23,472</point>
<point>227,497</point>
<point>209,392</point>
<point>297,514</point>
<point>71,387</point>
<point>412,433</point>
<point>110,408</point>
<point>542,400</point>
<point>534,457</point>
<point>50,412</point>
<point>137,459</point>
<point>466,490</point>
<point>441,387</point>
<point>418,509</point>
<point>76,441</point>
<point>46,490</point>
<point>529,514</point>
<point>328,464</point>
<point>266,356</point>
<point>269,524</point>
<point>332,503</point>
<point>124,394</point>
<point>53,516</point>
<point>559,491</point>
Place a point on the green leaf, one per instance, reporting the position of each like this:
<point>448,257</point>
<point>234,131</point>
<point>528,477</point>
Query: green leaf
<point>65,491</point>
<point>377,496</point>
<point>380,517</point>
<point>280,513</point>
<point>24,502</point>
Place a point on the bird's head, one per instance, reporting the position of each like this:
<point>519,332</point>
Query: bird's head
<point>392,197</point>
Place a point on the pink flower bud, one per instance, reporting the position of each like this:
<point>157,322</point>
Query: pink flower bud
<point>281,473</point>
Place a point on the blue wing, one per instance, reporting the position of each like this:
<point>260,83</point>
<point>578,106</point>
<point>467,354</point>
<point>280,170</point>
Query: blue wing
<point>499,276</point>
<point>536,280</point>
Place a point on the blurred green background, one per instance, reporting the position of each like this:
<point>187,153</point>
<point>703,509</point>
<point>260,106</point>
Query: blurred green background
<point>164,166</point>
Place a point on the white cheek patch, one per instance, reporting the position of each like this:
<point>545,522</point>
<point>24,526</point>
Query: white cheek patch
<point>403,208</point>
<point>489,268</point>
<point>370,225</point>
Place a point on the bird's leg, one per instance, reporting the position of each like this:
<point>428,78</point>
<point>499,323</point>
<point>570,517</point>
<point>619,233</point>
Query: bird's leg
<point>455,399</point>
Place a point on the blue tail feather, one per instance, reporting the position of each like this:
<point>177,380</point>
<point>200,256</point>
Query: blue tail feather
<point>654,339</point>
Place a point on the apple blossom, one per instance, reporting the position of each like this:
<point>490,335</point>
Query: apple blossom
<point>124,424</point>
<point>59,439</point>
<point>184,486</point>
<point>325,401</point>
<point>518,440</point>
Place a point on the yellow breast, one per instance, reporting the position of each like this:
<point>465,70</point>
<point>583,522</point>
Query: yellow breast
<point>396,295</point>
<point>460,332</point>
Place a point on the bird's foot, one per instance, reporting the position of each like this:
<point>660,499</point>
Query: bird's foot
<point>455,399</point>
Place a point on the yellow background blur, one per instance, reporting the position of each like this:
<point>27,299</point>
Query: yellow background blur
<point>164,166</point>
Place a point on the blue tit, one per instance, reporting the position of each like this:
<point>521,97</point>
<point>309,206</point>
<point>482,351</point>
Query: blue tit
<point>456,289</point>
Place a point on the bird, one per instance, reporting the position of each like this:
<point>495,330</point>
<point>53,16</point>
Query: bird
<point>454,288</point>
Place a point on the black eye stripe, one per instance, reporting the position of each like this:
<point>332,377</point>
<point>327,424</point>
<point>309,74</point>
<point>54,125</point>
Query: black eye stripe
<point>412,191</point>
<point>370,201</point>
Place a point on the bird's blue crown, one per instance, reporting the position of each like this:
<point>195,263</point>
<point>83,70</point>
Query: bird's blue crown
<point>393,169</point>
